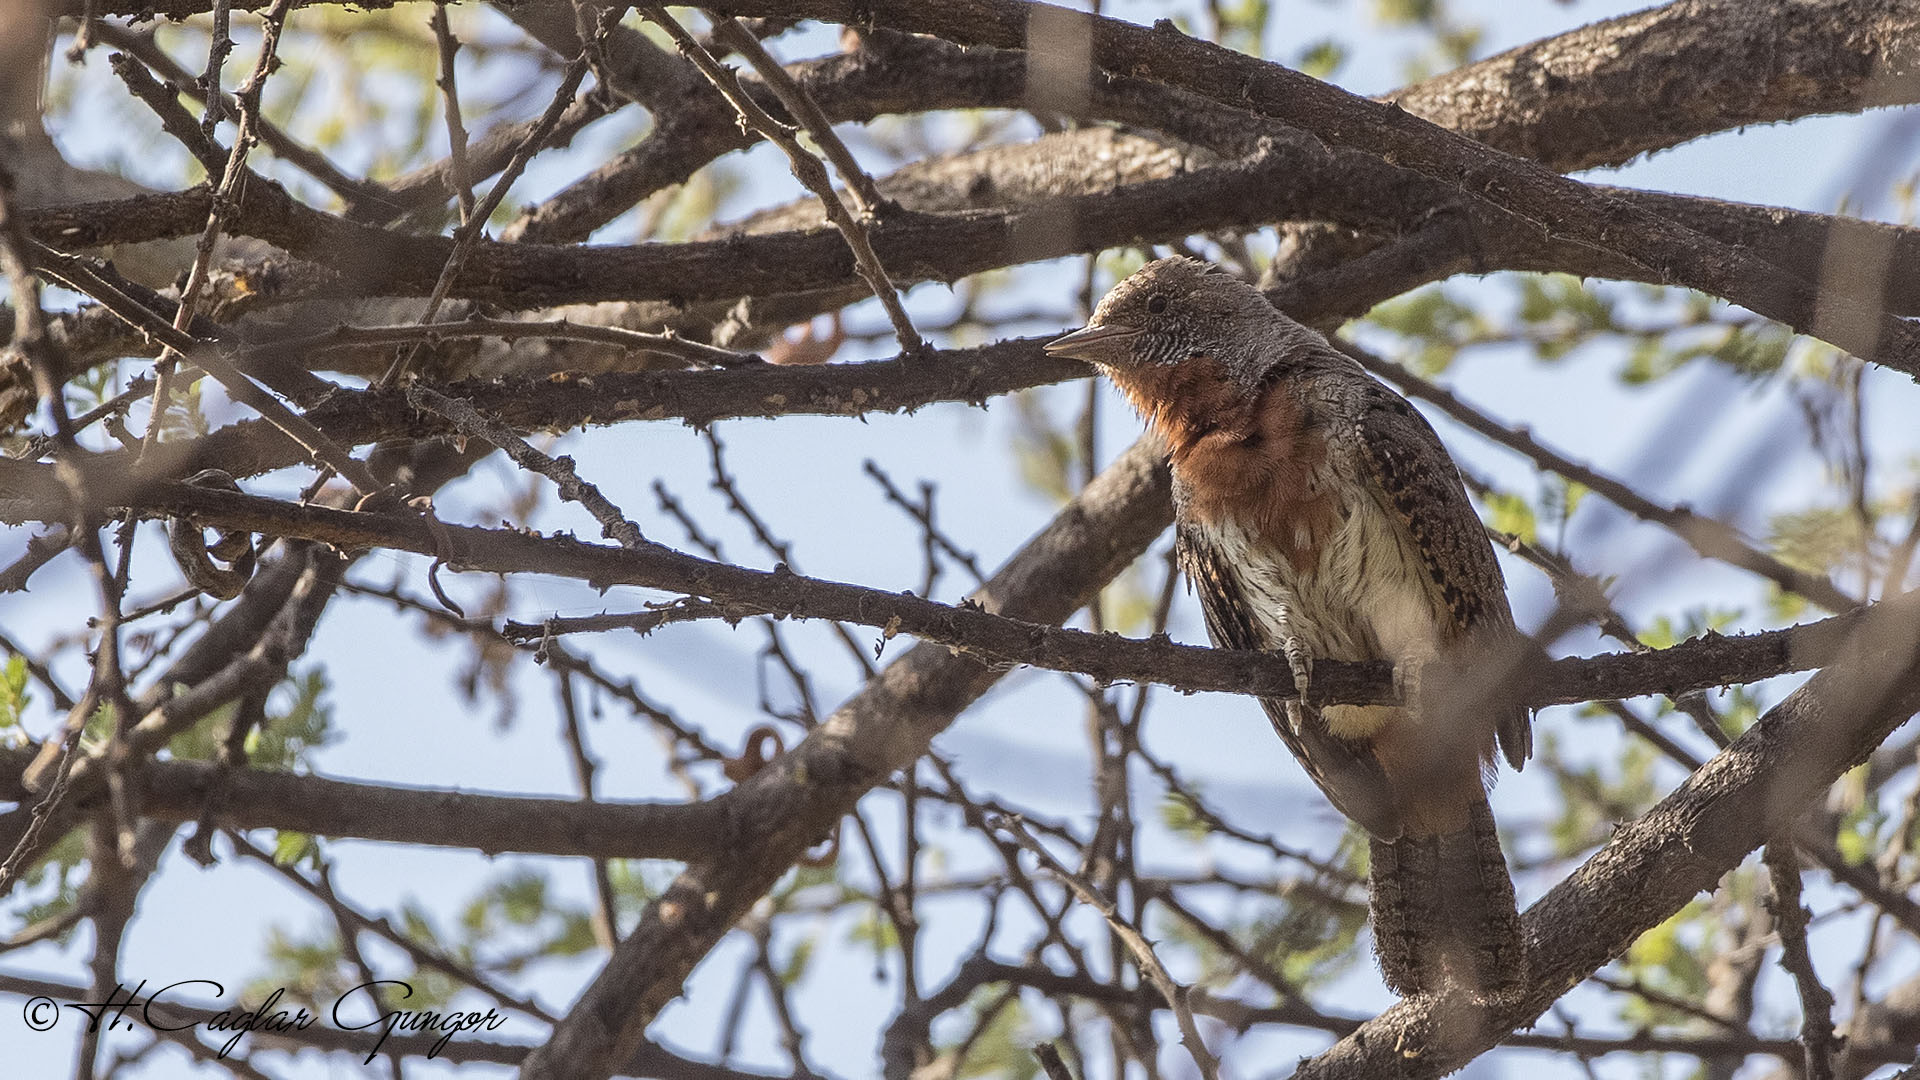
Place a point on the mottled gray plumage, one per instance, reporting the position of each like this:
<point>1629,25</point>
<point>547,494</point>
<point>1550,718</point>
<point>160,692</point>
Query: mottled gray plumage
<point>1319,515</point>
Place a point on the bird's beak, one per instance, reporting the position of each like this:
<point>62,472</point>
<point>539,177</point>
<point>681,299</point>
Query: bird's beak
<point>1094,344</point>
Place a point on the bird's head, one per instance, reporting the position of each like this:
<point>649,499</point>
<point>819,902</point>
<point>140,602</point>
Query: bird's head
<point>1170,311</point>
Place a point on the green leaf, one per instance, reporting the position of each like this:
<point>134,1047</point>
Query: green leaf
<point>1511,514</point>
<point>288,737</point>
<point>1425,313</point>
<point>1179,814</point>
<point>795,969</point>
<point>61,864</point>
<point>522,897</point>
<point>1858,836</point>
<point>291,848</point>
<point>1322,58</point>
<point>876,930</point>
<point>1668,957</point>
<point>13,691</point>
<point>1406,12</point>
<point>100,725</point>
<point>1004,1048</point>
<point>1754,351</point>
<point>1242,24</point>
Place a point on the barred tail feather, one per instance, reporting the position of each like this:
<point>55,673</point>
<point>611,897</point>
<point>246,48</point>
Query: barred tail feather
<point>1443,910</point>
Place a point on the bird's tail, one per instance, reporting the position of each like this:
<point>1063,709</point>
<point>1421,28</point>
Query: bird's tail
<point>1443,909</point>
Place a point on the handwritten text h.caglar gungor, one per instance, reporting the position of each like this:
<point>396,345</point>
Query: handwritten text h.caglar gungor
<point>158,1013</point>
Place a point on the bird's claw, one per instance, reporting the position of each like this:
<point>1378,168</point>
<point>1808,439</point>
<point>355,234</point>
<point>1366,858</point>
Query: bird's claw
<point>1300,661</point>
<point>1409,677</point>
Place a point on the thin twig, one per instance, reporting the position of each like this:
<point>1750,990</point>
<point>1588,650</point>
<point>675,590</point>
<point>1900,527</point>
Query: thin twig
<point>606,927</point>
<point>219,47</point>
<point>456,131</point>
<point>550,652</point>
<point>614,524</point>
<point>923,514</point>
<point>39,670</point>
<point>728,31</point>
<point>1137,944</point>
<point>470,231</point>
<point>112,409</point>
<point>284,146</point>
<point>225,196</point>
<point>806,168</point>
<point>727,486</point>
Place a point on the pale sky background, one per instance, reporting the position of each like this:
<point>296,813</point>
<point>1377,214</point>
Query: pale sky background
<point>403,721</point>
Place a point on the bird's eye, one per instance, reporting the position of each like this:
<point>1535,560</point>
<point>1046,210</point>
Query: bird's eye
<point>1156,304</point>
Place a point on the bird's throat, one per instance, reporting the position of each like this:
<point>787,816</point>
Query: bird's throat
<point>1187,402</point>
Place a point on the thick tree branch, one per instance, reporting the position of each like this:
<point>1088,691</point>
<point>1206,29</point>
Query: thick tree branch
<point>254,799</point>
<point>1573,101</point>
<point>1273,186</point>
<point>1606,92</point>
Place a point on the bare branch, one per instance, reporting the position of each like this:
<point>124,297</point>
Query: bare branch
<point>350,337</point>
<point>474,224</point>
<point>525,404</point>
<point>456,130</point>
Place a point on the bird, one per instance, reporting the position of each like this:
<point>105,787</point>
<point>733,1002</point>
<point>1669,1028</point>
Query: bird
<point>1318,515</point>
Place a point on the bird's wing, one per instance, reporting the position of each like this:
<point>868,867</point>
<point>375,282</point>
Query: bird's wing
<point>1421,488</point>
<point>1345,771</point>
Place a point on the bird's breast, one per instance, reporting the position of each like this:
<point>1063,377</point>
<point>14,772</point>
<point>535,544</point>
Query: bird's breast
<point>1334,571</point>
